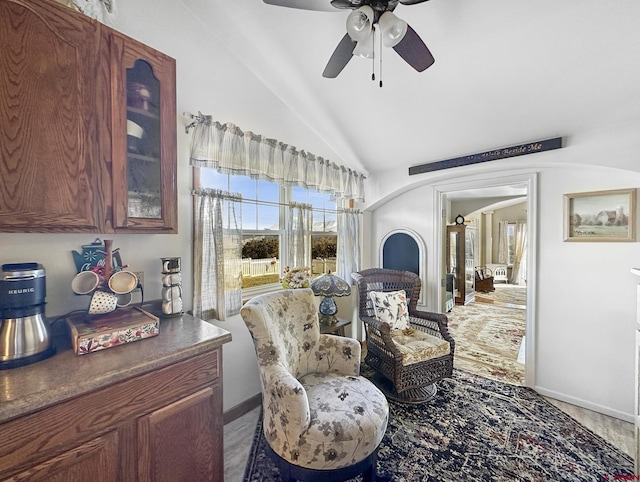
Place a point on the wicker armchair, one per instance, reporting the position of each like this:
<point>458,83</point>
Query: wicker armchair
<point>410,380</point>
<point>484,280</point>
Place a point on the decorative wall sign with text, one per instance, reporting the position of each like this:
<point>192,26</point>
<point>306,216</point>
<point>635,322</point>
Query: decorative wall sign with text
<point>503,153</point>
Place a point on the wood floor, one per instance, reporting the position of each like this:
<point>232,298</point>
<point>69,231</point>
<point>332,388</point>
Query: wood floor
<point>238,438</point>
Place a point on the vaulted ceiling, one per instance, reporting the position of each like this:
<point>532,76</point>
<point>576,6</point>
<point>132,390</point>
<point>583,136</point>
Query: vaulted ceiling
<point>506,72</point>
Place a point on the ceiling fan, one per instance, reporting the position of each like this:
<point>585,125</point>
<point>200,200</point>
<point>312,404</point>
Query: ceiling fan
<point>361,24</point>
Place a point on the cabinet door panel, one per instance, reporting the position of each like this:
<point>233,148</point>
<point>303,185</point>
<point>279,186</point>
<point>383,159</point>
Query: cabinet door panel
<point>461,261</point>
<point>183,441</point>
<point>96,460</point>
<point>143,138</point>
<point>48,95</point>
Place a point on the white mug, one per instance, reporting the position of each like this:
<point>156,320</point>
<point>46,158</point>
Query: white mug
<point>85,282</point>
<point>172,307</point>
<point>170,293</point>
<point>124,300</point>
<point>103,302</point>
<point>171,279</point>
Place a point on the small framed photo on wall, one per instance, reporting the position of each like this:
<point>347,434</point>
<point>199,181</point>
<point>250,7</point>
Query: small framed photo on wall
<point>600,216</point>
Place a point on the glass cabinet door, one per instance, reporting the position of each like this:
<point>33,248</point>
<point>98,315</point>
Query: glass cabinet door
<point>144,138</point>
<point>461,261</point>
<point>453,247</point>
<point>144,193</point>
<point>469,261</point>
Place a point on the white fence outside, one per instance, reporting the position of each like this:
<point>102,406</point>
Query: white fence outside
<point>322,265</point>
<point>259,267</point>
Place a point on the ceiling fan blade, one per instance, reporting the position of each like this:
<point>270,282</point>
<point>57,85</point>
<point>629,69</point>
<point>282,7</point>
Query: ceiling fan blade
<point>340,57</point>
<point>343,4</point>
<point>317,5</point>
<point>413,50</point>
<point>411,2</point>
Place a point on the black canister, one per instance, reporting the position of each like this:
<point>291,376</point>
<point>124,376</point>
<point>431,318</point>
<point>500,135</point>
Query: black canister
<point>22,285</point>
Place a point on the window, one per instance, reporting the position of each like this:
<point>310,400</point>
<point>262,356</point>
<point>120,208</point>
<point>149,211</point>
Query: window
<point>263,225</point>
<point>324,239</point>
<point>511,243</point>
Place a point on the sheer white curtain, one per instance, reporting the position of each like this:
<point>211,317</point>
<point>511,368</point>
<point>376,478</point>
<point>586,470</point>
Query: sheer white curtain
<point>226,148</point>
<point>300,225</point>
<point>348,256</point>
<point>519,271</point>
<point>102,10</point>
<point>503,242</point>
<point>217,255</point>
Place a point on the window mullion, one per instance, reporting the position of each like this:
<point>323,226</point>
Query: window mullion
<point>285,198</point>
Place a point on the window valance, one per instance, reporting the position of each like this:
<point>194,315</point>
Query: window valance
<point>226,148</point>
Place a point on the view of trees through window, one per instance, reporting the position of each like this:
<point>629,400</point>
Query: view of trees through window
<point>261,258</point>
<point>263,230</point>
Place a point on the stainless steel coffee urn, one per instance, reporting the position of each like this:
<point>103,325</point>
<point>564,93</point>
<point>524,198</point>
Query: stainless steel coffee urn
<point>171,287</point>
<point>25,336</point>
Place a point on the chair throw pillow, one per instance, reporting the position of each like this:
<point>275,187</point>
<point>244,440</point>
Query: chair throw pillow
<point>391,308</point>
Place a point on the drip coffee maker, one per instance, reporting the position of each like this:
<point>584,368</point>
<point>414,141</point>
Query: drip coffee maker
<point>25,336</point>
<point>171,287</point>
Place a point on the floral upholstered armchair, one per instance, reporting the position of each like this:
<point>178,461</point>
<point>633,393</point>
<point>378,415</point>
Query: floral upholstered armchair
<point>321,419</point>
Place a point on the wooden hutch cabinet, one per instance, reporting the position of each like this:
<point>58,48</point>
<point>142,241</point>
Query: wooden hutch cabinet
<point>87,126</point>
<point>461,261</point>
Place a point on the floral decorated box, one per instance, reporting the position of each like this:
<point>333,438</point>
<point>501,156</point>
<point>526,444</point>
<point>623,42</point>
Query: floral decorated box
<point>89,334</point>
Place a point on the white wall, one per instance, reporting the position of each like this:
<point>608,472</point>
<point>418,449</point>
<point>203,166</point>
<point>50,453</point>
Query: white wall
<point>585,306</point>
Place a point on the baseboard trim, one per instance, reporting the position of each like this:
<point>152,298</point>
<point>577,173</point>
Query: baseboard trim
<point>242,408</point>
<point>626,417</point>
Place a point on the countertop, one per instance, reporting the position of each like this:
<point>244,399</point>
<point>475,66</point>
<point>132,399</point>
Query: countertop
<point>66,375</point>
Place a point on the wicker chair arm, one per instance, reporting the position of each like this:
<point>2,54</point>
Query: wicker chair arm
<point>433,321</point>
<point>383,330</point>
<point>376,323</point>
<point>341,354</point>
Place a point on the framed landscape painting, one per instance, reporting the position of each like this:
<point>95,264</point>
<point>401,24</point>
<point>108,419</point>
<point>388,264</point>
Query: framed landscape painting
<point>600,216</point>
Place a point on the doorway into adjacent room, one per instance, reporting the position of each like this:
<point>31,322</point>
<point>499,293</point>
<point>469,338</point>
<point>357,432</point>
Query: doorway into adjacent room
<point>492,327</point>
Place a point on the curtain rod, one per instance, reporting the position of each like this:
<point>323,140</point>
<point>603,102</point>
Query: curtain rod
<point>239,198</point>
<point>315,209</point>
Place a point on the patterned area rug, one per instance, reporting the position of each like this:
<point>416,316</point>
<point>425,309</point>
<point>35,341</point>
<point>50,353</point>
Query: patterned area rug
<point>505,293</point>
<point>479,429</point>
<point>488,339</point>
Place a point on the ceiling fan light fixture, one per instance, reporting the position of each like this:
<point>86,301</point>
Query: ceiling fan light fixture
<point>360,23</point>
<point>364,48</point>
<point>393,29</point>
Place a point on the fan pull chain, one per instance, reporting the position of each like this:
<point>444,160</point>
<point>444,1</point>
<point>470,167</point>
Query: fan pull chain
<point>373,68</point>
<point>373,58</point>
<point>381,61</point>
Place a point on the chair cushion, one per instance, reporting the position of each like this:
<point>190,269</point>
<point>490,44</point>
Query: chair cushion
<point>416,345</point>
<point>348,420</point>
<point>391,307</point>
